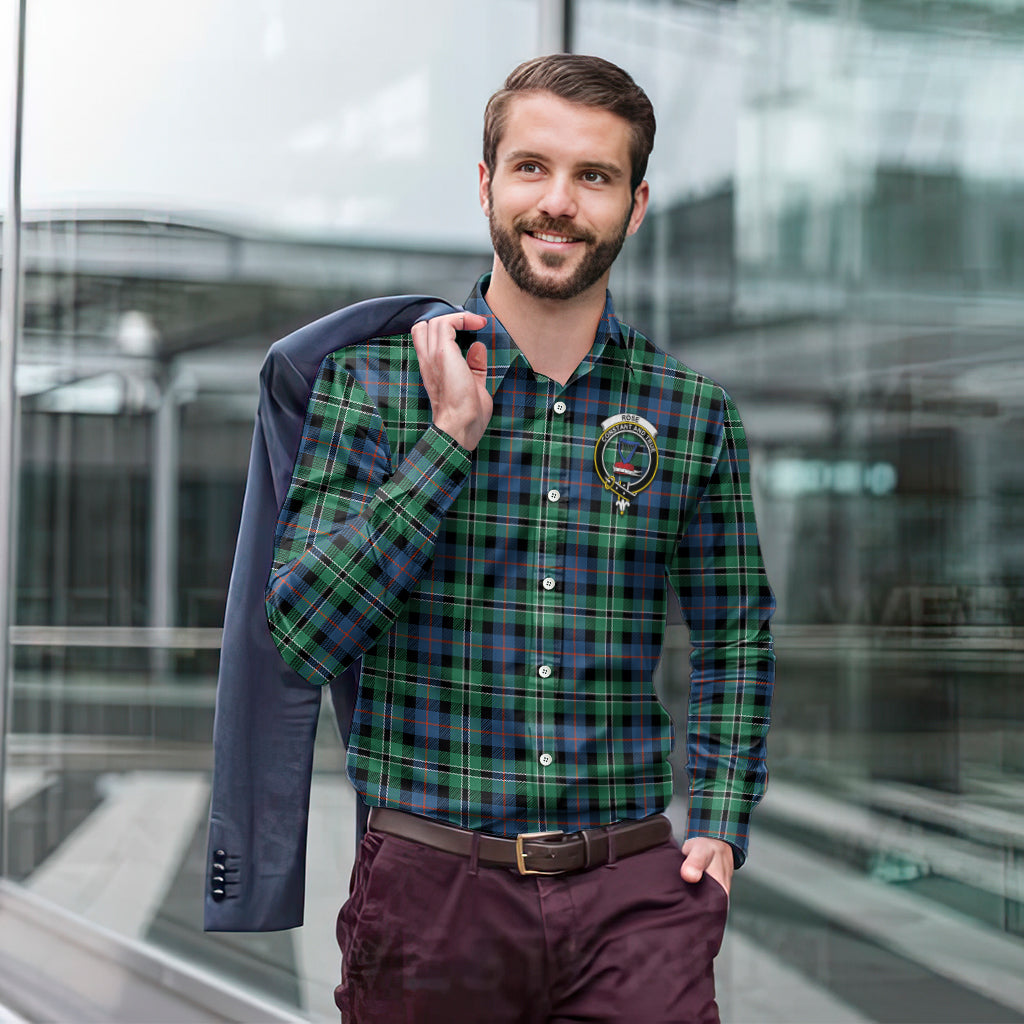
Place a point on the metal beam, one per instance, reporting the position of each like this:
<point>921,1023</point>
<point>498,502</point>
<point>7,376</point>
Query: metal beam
<point>163,548</point>
<point>10,320</point>
<point>554,26</point>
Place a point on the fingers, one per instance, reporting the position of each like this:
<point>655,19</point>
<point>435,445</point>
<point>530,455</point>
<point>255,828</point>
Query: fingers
<point>696,863</point>
<point>477,357</point>
<point>434,339</point>
<point>704,854</point>
<point>456,386</point>
<point>444,327</point>
<point>473,322</point>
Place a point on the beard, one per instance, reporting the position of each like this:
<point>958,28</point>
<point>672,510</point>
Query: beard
<point>599,255</point>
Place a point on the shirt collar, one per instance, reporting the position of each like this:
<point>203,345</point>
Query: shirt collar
<point>502,352</point>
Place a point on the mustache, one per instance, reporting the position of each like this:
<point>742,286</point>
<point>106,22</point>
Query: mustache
<point>552,226</point>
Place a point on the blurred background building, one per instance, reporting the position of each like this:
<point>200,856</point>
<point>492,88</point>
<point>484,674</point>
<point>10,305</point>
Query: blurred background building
<point>836,235</point>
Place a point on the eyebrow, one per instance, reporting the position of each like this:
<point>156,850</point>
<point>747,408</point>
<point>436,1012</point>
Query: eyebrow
<point>611,170</point>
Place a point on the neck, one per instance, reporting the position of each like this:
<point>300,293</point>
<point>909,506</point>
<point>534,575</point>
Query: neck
<point>553,334</point>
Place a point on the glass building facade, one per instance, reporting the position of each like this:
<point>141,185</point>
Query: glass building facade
<point>836,235</point>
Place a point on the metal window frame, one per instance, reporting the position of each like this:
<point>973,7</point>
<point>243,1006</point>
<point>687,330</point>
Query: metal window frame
<point>10,327</point>
<point>555,18</point>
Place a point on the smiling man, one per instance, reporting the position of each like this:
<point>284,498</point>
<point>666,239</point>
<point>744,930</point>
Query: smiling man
<point>489,513</point>
<point>564,222</point>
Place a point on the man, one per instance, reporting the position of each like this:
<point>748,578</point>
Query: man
<point>493,530</point>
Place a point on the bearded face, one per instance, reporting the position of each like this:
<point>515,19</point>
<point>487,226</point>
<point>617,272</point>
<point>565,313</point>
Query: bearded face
<point>553,275</point>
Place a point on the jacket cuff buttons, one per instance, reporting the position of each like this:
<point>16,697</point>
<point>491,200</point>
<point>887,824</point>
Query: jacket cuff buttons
<point>218,875</point>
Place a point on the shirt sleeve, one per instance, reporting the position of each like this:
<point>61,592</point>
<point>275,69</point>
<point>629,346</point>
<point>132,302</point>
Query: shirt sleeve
<point>355,534</point>
<point>723,591</point>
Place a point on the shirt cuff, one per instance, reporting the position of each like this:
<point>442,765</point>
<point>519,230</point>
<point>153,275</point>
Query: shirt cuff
<point>708,818</point>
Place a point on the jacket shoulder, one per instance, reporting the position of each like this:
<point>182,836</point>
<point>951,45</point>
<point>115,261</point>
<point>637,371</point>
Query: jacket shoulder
<point>361,321</point>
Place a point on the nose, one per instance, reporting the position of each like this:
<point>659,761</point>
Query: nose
<point>559,198</point>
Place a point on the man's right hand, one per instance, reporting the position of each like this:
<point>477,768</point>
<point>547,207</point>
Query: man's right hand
<point>457,386</point>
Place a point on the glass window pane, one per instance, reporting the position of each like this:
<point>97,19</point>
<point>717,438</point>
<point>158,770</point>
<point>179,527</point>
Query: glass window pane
<point>353,120</point>
<point>836,236</point>
<point>200,179</point>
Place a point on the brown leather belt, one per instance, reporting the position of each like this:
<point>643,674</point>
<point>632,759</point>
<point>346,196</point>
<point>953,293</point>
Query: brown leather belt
<point>531,853</point>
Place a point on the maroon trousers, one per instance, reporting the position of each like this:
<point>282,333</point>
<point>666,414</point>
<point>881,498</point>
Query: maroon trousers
<point>432,938</point>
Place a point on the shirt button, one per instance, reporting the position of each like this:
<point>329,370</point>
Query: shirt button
<point>546,759</point>
<point>544,671</point>
<point>554,495</point>
<point>549,583</point>
<point>559,407</point>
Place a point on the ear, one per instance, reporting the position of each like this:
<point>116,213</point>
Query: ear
<point>485,183</point>
<point>641,197</point>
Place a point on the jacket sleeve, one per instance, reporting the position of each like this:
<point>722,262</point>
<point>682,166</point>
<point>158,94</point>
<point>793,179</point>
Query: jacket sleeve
<point>263,734</point>
<point>719,577</point>
<point>355,533</point>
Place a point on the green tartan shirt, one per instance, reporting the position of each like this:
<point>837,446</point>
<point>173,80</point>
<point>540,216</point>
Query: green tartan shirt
<point>509,604</point>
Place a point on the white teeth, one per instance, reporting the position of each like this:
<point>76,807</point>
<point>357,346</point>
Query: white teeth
<point>551,238</point>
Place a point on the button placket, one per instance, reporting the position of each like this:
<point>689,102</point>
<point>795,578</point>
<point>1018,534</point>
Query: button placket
<point>549,583</point>
<point>550,625</point>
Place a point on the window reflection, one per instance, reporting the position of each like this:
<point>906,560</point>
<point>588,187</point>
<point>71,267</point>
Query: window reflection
<point>854,281</point>
<point>835,236</point>
<point>190,200</point>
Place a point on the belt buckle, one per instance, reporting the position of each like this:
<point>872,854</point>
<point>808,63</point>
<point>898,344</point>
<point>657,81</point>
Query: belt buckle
<point>521,855</point>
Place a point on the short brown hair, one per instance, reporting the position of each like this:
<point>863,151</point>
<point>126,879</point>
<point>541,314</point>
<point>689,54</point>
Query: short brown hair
<point>591,81</point>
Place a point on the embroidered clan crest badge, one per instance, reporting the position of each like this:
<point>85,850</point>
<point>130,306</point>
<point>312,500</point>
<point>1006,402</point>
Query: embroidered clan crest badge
<point>626,457</point>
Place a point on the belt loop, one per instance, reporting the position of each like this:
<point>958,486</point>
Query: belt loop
<point>474,854</point>
<point>586,848</point>
<point>610,833</point>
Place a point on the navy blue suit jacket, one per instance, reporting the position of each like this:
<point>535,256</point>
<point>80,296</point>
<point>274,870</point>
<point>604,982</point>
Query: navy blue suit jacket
<point>266,713</point>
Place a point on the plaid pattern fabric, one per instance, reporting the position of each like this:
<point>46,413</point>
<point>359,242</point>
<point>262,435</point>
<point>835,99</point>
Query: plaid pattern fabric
<point>508,615</point>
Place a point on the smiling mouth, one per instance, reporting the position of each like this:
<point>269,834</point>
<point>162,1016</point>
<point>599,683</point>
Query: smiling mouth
<point>546,237</point>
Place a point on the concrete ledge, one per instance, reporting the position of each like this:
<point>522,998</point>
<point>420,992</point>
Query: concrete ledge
<point>55,966</point>
<point>950,944</point>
